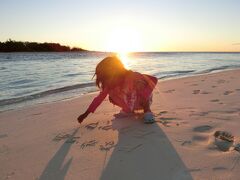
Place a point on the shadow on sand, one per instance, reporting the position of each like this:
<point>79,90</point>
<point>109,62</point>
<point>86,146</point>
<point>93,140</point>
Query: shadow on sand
<point>55,168</point>
<point>143,152</point>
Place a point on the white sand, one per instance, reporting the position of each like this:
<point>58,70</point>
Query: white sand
<point>46,142</point>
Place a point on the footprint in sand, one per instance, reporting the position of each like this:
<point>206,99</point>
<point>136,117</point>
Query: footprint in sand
<point>91,126</point>
<point>107,146</point>
<point>166,121</point>
<point>205,92</point>
<point>167,118</point>
<point>3,136</point>
<point>214,100</point>
<point>195,141</point>
<point>162,112</point>
<point>88,143</point>
<point>214,86</point>
<point>199,114</point>
<point>9,175</point>
<point>219,168</point>
<point>4,149</point>
<point>169,91</point>
<point>196,91</point>
<point>201,139</point>
<point>228,92</point>
<point>237,89</point>
<point>36,114</point>
<point>170,124</point>
<point>194,85</point>
<point>186,143</point>
<point>204,128</point>
<point>220,81</point>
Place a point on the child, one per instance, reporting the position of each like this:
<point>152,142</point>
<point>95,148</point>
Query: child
<point>127,89</point>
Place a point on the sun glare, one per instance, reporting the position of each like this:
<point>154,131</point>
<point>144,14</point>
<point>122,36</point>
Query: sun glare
<point>123,40</point>
<point>125,59</point>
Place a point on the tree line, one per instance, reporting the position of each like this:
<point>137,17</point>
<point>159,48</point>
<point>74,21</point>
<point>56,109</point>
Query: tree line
<point>19,46</point>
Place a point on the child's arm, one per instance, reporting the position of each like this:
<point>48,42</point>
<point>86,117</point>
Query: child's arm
<point>93,106</point>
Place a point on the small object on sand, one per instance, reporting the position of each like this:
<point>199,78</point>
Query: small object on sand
<point>224,135</point>
<point>224,140</point>
<point>237,147</point>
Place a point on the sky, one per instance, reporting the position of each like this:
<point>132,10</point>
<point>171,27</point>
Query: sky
<point>126,25</point>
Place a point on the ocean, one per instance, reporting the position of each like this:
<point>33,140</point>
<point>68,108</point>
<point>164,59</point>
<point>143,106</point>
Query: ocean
<point>33,78</point>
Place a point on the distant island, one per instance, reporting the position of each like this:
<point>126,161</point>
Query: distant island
<point>19,46</point>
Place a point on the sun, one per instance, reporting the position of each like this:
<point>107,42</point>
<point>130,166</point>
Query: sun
<point>123,40</point>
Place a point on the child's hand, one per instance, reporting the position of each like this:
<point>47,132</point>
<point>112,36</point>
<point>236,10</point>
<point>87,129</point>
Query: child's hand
<point>82,117</point>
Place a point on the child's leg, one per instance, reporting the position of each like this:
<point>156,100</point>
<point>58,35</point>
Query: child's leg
<point>146,104</point>
<point>122,113</point>
<point>148,115</point>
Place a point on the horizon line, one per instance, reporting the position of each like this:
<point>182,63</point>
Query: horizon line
<point>89,51</point>
<point>184,51</point>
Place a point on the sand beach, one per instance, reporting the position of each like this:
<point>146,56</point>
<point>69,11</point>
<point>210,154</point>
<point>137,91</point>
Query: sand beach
<point>45,142</point>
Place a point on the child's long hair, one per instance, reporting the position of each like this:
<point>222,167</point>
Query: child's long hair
<point>109,72</point>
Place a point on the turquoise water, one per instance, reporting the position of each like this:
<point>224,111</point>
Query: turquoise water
<point>31,78</point>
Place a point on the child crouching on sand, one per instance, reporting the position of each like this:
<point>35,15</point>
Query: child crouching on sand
<point>127,89</point>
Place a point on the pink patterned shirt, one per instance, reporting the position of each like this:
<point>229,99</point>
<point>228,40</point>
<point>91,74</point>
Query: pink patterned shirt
<point>128,95</point>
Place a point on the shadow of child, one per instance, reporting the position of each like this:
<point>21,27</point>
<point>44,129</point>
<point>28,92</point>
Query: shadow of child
<point>143,152</point>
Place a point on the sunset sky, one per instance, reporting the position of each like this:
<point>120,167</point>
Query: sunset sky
<point>126,25</point>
